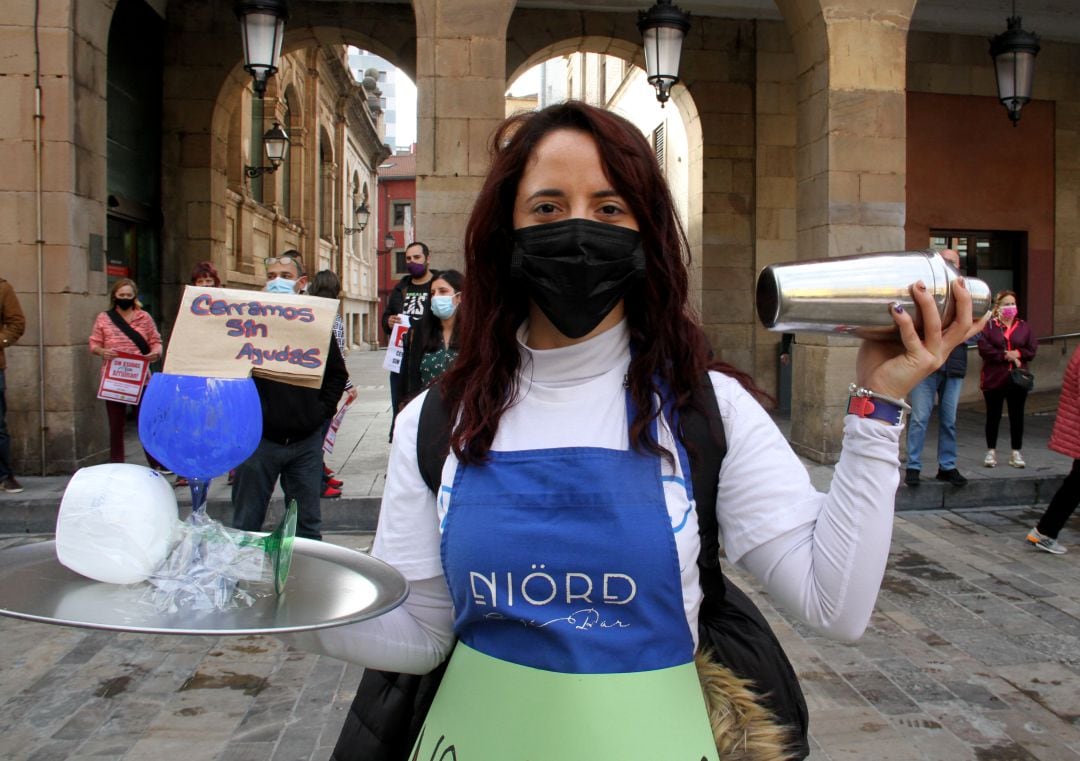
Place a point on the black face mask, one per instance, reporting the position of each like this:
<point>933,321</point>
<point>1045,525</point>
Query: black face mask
<point>577,270</point>
<point>125,304</point>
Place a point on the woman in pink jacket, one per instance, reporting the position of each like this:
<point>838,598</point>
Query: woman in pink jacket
<point>111,335</point>
<point>1064,439</point>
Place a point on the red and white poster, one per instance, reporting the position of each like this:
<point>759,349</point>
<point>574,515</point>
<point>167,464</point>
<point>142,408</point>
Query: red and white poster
<point>335,424</point>
<point>124,378</point>
<point>396,348</point>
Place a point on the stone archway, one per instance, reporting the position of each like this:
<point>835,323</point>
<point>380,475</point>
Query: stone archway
<point>204,82</point>
<point>715,100</point>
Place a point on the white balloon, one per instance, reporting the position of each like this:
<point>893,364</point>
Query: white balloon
<point>116,522</point>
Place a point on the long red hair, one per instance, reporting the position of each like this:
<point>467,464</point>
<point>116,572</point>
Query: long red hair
<point>669,346</point>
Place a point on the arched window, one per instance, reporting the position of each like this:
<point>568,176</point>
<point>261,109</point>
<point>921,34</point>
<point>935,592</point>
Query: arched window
<point>325,202</point>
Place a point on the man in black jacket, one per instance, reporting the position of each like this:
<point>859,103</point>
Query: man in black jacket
<point>292,435</point>
<point>411,297</point>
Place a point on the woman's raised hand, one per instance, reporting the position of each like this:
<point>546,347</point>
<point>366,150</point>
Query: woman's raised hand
<point>893,368</point>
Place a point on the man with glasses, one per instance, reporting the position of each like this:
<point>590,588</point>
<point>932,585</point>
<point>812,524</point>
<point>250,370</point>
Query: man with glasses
<point>292,435</point>
<point>411,297</point>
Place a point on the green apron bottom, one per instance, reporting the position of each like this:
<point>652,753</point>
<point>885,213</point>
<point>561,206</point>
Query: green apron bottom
<point>492,710</point>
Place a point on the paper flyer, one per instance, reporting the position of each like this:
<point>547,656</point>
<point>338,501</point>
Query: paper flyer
<point>124,379</point>
<point>396,349</point>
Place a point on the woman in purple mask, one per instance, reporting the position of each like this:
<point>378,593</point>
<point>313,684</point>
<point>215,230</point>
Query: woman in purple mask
<point>560,549</point>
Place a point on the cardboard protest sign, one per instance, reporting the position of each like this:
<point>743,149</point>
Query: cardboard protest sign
<point>124,378</point>
<point>395,349</point>
<point>229,333</point>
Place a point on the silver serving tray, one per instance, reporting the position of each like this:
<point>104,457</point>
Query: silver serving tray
<point>328,586</point>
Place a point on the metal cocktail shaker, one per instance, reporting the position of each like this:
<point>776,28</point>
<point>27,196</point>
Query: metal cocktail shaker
<point>851,294</point>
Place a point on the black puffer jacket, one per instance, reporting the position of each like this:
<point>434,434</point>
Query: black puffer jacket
<point>291,413</point>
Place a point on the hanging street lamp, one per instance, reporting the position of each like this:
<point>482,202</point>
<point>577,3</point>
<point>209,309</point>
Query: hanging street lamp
<point>362,215</point>
<point>663,28</point>
<point>1014,52</point>
<point>262,27</point>
<point>276,145</point>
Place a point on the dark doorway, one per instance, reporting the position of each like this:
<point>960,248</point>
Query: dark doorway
<point>997,257</point>
<point>133,153</point>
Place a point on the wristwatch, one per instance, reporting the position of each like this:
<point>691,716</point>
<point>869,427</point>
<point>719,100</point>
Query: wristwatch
<point>866,403</point>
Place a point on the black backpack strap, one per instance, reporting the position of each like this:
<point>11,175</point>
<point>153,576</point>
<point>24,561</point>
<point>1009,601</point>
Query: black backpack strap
<point>706,445</point>
<point>433,437</point>
<point>135,336</point>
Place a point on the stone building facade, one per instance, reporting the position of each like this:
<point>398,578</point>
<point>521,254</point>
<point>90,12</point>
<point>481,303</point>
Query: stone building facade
<point>811,126</point>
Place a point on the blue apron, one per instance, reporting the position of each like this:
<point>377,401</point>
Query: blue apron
<point>572,637</point>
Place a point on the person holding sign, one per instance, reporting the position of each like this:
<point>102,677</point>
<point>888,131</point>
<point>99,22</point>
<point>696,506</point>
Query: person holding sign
<point>293,423</point>
<point>327,285</point>
<point>409,299</point>
<point>125,329</point>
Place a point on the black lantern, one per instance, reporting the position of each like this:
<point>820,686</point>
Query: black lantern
<point>389,242</point>
<point>276,145</point>
<point>1014,52</point>
<point>262,27</point>
<point>663,28</point>
<point>363,214</point>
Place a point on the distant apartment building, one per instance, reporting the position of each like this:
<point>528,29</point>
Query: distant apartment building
<point>362,63</point>
<point>397,210</point>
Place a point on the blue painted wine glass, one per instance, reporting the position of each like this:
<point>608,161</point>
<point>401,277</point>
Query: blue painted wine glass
<point>200,427</point>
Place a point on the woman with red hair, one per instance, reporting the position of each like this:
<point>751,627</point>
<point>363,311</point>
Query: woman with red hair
<point>561,547</point>
<point>205,274</point>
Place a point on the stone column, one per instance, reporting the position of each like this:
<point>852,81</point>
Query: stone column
<point>461,81</point>
<point>718,71</point>
<point>850,168</point>
<point>72,77</point>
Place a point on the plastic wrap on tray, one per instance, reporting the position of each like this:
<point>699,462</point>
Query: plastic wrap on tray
<point>204,569</point>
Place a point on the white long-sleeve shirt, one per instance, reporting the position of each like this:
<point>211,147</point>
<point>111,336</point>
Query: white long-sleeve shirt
<point>822,556</point>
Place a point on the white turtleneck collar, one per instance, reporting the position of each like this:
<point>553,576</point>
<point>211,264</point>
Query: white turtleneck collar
<point>577,363</point>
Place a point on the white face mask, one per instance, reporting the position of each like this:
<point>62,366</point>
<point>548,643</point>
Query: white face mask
<point>280,285</point>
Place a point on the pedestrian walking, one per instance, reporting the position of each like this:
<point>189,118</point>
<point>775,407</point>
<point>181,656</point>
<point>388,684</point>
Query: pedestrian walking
<point>125,328</point>
<point>12,326</point>
<point>942,386</point>
<point>562,553</point>
<point>410,297</point>
<point>292,435</point>
<point>1065,439</point>
<point>1005,344</point>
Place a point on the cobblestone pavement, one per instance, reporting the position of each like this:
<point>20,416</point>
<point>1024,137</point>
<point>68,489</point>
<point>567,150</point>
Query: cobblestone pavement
<point>972,654</point>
